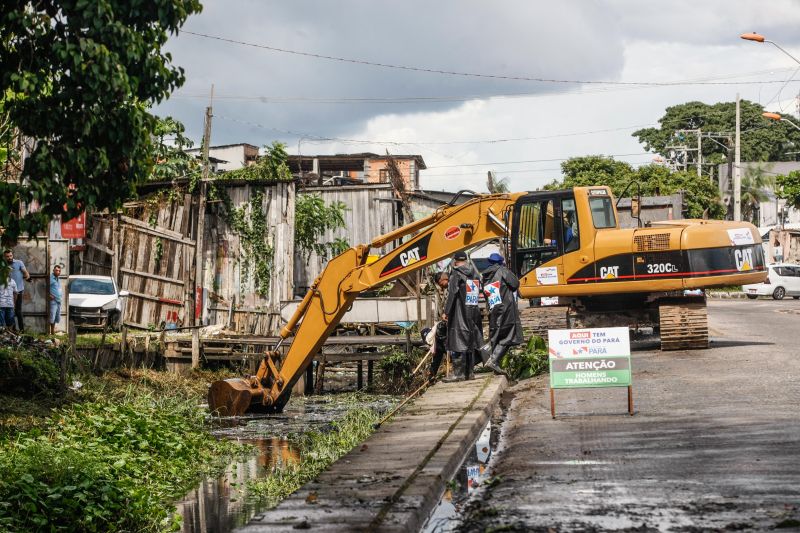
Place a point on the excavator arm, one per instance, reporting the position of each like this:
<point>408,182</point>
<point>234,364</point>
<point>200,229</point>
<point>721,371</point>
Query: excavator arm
<point>449,229</point>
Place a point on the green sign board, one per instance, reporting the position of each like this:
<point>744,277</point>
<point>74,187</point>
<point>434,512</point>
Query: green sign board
<point>599,357</point>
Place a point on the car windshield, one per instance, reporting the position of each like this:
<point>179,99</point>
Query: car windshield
<point>91,286</point>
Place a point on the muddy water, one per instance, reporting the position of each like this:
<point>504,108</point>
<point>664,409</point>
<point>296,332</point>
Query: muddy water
<point>470,477</point>
<point>221,504</point>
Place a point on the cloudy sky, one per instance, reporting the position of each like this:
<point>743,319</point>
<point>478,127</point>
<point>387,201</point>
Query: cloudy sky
<point>500,118</point>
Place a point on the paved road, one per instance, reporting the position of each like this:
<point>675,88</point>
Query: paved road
<point>714,444</point>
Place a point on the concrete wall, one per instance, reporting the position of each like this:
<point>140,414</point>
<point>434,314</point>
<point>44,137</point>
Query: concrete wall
<point>408,169</point>
<point>653,208</point>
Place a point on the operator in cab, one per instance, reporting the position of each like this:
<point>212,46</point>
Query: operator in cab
<point>463,317</point>
<point>505,329</point>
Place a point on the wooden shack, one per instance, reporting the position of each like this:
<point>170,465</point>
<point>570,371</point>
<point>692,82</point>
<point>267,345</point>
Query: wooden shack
<point>150,248</point>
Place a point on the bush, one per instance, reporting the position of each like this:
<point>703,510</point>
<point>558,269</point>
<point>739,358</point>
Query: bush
<point>531,361</point>
<point>107,466</point>
<point>28,369</point>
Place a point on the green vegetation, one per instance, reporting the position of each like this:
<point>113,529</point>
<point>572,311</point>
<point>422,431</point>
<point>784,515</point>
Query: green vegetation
<point>272,167</point>
<point>789,188</point>
<point>171,162</point>
<point>528,362</point>
<point>318,449</point>
<point>762,139</point>
<point>701,196</point>
<point>112,460</point>
<point>312,219</point>
<point>79,77</point>
<point>30,368</point>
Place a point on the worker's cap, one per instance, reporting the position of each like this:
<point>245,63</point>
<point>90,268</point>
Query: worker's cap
<point>460,256</point>
<point>495,258</point>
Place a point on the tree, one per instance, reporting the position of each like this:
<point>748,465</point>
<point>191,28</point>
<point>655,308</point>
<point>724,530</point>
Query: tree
<point>81,75</point>
<point>755,182</point>
<point>789,188</point>
<point>169,143</point>
<point>701,196</point>
<point>761,139</point>
<point>496,186</point>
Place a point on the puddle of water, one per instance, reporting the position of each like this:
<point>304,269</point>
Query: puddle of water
<point>470,476</point>
<point>220,504</point>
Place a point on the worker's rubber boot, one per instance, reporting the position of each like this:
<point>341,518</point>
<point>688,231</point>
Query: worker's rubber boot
<point>469,366</point>
<point>494,361</point>
<point>456,368</point>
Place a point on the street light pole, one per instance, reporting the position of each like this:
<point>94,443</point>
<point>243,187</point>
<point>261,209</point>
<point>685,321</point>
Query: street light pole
<point>758,38</point>
<point>779,118</point>
<point>737,170</point>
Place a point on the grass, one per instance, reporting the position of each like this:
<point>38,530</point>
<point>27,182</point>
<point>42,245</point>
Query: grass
<point>318,450</point>
<point>112,457</point>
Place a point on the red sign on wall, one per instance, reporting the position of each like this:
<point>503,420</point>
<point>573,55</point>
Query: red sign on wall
<point>75,228</point>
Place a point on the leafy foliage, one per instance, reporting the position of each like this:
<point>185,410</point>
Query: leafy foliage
<point>319,449</point>
<point>250,224</point>
<point>169,143</point>
<point>528,362</point>
<point>701,196</point>
<point>30,368</point>
<point>312,219</point>
<point>789,188</point>
<point>272,166</point>
<point>81,76</point>
<point>107,465</point>
<point>761,139</point>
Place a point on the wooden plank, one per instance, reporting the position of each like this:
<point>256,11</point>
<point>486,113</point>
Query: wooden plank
<point>157,232</point>
<point>159,299</point>
<point>152,276</point>
<point>98,246</point>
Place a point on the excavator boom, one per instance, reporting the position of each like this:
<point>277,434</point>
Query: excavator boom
<point>450,229</point>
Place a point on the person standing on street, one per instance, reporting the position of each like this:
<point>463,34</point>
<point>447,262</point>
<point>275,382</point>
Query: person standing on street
<point>8,290</point>
<point>462,314</point>
<point>20,275</point>
<point>442,280</point>
<point>54,314</point>
<point>505,329</point>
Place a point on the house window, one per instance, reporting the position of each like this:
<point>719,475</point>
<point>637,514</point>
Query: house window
<point>384,175</point>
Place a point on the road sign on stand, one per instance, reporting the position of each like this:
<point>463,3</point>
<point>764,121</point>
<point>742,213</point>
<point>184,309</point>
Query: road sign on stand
<point>583,358</point>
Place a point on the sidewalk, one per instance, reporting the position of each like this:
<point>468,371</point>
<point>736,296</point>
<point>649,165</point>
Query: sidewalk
<point>393,481</point>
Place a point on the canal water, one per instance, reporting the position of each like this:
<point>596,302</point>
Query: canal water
<point>221,503</point>
<point>470,478</point>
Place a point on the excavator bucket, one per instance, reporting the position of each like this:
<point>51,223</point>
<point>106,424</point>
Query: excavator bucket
<point>232,397</point>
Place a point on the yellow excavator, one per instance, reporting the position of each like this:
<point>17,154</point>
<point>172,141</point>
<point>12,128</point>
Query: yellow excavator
<point>566,244</point>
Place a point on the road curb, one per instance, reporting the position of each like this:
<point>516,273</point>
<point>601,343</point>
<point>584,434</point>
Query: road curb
<point>394,480</point>
<point>726,295</point>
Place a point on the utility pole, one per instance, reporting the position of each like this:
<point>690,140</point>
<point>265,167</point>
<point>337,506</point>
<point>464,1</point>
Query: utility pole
<point>737,170</point>
<point>699,153</point>
<point>198,243</point>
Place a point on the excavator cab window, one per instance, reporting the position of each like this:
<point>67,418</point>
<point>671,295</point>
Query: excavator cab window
<point>544,228</point>
<point>602,212</point>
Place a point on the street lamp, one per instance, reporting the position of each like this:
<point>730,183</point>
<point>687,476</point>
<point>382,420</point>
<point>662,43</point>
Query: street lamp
<point>758,38</point>
<point>776,116</point>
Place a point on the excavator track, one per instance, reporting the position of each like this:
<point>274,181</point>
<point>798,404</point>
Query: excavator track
<point>684,326</point>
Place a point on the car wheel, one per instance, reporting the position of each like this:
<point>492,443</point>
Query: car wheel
<point>752,296</point>
<point>779,293</point>
<point>795,297</point>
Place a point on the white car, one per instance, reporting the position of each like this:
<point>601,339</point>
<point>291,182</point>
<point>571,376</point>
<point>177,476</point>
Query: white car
<point>95,302</point>
<point>783,280</point>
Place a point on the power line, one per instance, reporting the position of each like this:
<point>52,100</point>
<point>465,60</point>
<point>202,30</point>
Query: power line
<point>320,138</point>
<point>530,161</point>
<point>475,74</point>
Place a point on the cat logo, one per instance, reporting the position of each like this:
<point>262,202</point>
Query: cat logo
<point>410,257</point>
<point>610,272</point>
<point>744,259</point>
